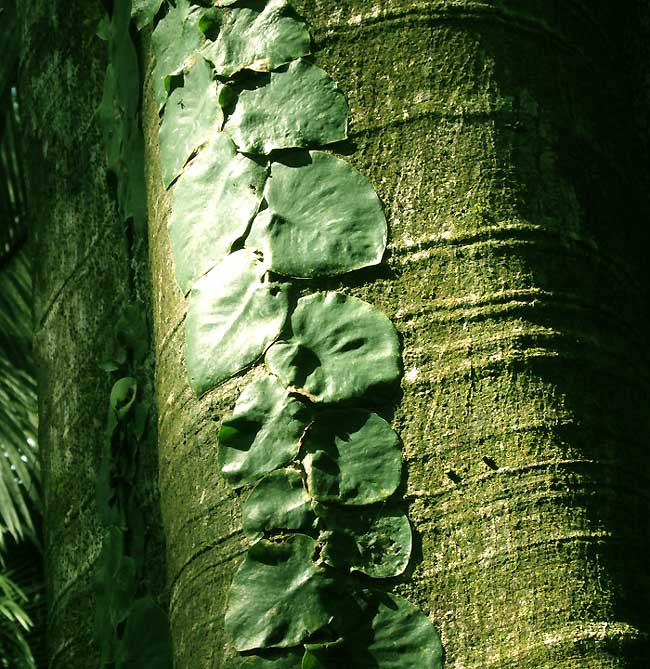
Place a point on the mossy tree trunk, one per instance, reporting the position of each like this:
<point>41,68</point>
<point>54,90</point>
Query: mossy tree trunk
<point>88,264</point>
<point>501,137</point>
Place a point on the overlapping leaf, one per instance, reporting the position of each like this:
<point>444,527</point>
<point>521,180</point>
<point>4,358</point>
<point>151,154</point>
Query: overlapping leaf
<point>235,312</point>
<point>143,11</point>
<point>274,659</point>
<point>174,42</point>
<point>300,106</point>
<point>383,631</point>
<point>323,218</point>
<point>352,457</point>
<point>263,433</point>
<point>192,116</point>
<point>257,37</point>
<point>376,542</point>
<point>214,200</point>
<point>278,501</point>
<point>277,597</point>
<point>341,348</point>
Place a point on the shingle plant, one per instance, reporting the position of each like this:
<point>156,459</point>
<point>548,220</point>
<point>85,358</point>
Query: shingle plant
<point>259,203</point>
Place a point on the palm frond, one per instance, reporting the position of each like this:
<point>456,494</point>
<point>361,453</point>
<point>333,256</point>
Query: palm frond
<point>14,624</point>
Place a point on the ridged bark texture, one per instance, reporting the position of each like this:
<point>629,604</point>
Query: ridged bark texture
<point>501,137</point>
<point>85,270</point>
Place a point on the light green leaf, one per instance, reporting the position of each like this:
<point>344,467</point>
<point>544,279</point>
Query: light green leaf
<point>213,202</point>
<point>146,643</point>
<point>123,395</point>
<point>323,218</point>
<point>235,312</point>
<point>174,42</point>
<point>277,595</point>
<point>300,106</point>
<point>382,631</point>
<point>143,11</point>
<point>263,432</point>
<point>352,457</point>
<point>278,501</point>
<point>258,37</point>
<point>341,349</point>
<point>376,542</point>
<point>192,116</point>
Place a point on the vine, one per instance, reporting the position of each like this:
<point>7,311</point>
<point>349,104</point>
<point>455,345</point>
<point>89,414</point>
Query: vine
<point>256,207</point>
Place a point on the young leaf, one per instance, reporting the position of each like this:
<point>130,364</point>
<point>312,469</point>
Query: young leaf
<point>278,501</point>
<point>341,348</point>
<point>192,116</point>
<point>300,106</point>
<point>263,433</point>
<point>235,312</point>
<point>214,200</point>
<point>277,596</point>
<point>257,38</point>
<point>323,218</point>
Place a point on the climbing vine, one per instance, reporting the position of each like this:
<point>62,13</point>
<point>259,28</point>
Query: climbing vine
<point>258,204</point>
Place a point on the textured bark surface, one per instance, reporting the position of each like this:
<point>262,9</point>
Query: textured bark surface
<point>85,271</point>
<point>501,138</point>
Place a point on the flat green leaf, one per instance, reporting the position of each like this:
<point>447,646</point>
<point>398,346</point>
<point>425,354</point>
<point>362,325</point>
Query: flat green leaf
<point>192,116</point>
<point>258,37</point>
<point>300,106</point>
<point>376,542</point>
<point>341,348</point>
<point>143,11</point>
<point>278,501</point>
<point>323,218</point>
<point>174,42</point>
<point>277,595</point>
<point>146,643</point>
<point>273,659</point>
<point>382,631</point>
<point>352,457</point>
<point>213,202</point>
<point>235,312</point>
<point>225,3</point>
<point>263,432</point>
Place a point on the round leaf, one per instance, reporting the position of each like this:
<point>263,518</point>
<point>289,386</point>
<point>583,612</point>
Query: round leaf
<point>213,202</point>
<point>276,597</point>
<point>174,41</point>
<point>300,106</point>
<point>341,348</point>
<point>278,501</point>
<point>191,117</point>
<point>257,38</point>
<point>235,312</point>
<point>382,631</point>
<point>323,218</point>
<point>263,432</point>
<point>375,542</point>
<point>352,457</point>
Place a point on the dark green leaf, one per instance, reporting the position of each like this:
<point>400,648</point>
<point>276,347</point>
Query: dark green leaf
<point>146,643</point>
<point>323,218</point>
<point>192,116</point>
<point>174,42</point>
<point>341,349</point>
<point>214,200</point>
<point>277,595</point>
<point>278,501</point>
<point>257,38</point>
<point>376,542</point>
<point>263,432</point>
<point>383,631</point>
<point>235,312</point>
<point>352,457</point>
<point>300,106</point>
<point>273,659</point>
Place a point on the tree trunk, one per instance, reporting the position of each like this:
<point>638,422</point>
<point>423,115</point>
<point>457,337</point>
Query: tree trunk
<point>87,267</point>
<point>501,138</point>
